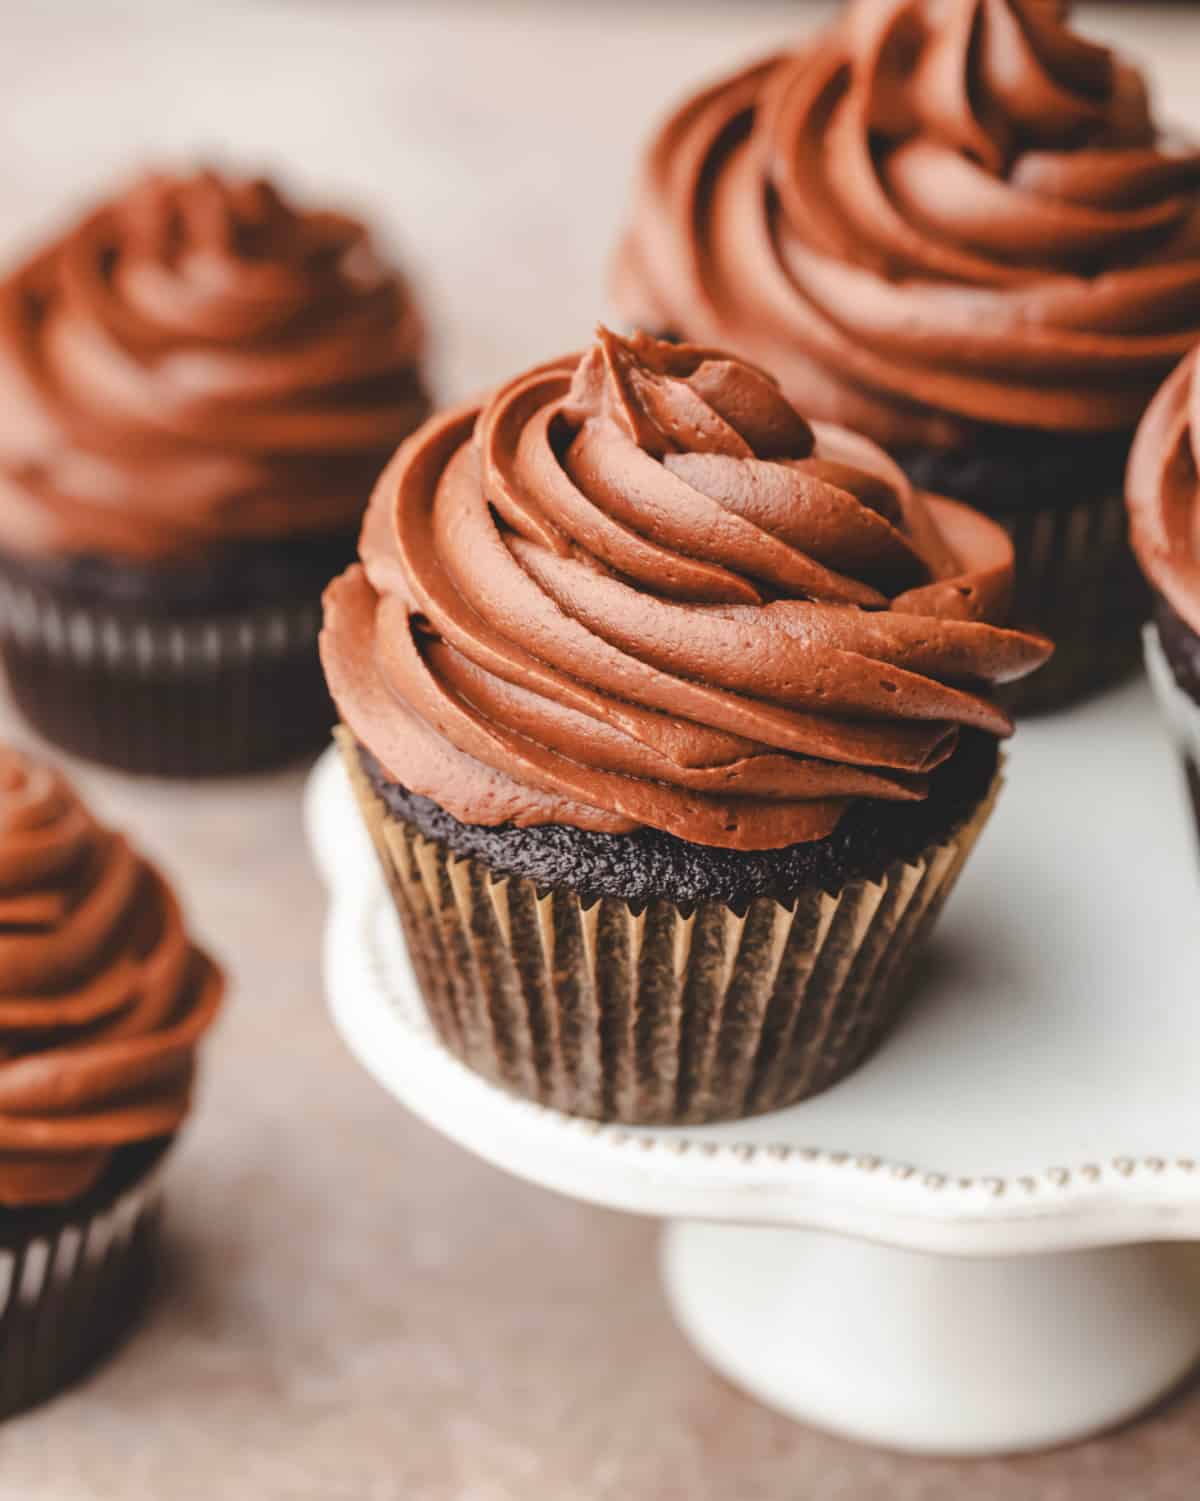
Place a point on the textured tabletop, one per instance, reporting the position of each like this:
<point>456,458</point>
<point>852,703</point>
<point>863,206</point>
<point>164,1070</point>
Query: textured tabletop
<point>352,1307</point>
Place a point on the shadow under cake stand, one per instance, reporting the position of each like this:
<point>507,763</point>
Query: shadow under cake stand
<point>977,1244</point>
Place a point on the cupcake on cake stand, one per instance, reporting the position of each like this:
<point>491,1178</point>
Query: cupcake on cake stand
<point>980,1242</point>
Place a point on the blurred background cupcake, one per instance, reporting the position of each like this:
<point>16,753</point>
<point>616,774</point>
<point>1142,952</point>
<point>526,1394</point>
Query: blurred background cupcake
<point>665,712</point>
<point>1164,510</point>
<point>957,228</point>
<point>103,1000</point>
<point>199,381</point>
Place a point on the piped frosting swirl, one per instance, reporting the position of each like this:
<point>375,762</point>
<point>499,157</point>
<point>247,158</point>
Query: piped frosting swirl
<point>940,213</point>
<point>638,589</point>
<point>1164,491</point>
<point>103,998</point>
<point>199,362</point>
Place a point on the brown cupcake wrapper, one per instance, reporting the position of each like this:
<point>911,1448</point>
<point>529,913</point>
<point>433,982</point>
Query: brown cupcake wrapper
<point>656,1016</point>
<point>68,1295</point>
<point>1180,712</point>
<point>1078,582</point>
<point>189,697</point>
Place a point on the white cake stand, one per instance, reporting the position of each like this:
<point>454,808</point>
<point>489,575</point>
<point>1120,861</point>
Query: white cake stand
<point>978,1243</point>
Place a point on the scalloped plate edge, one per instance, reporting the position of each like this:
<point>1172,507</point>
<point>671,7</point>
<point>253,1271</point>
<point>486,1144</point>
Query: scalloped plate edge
<point>686,1172</point>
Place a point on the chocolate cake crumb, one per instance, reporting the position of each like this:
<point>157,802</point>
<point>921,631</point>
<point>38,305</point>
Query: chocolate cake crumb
<point>649,864</point>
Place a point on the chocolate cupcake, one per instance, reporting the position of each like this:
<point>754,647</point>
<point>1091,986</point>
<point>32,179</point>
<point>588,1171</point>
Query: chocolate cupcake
<point>665,712</point>
<point>198,384</point>
<point>955,227</point>
<point>103,1000</point>
<point>1164,510</point>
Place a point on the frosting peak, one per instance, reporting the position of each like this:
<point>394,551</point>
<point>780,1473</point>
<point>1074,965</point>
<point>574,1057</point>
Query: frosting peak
<point>199,361</point>
<point>102,997</point>
<point>988,78</point>
<point>636,588</point>
<point>670,398</point>
<point>941,212</point>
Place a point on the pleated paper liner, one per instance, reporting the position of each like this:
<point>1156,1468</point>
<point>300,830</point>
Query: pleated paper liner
<point>1180,711</point>
<point>144,693</point>
<point>70,1291</point>
<point>656,1016</point>
<point>1076,581</point>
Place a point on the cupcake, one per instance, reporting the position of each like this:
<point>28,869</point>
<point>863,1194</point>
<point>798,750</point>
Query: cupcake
<point>103,1000</point>
<point>955,227</point>
<point>668,715</point>
<point>1164,511</point>
<point>198,383</point>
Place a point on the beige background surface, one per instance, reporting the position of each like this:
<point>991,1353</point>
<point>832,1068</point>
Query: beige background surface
<point>355,1309</point>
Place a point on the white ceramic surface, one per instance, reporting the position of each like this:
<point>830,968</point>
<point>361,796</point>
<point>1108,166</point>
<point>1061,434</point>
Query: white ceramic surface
<point>1039,1099</point>
<point>937,1354</point>
<point>1041,1091</point>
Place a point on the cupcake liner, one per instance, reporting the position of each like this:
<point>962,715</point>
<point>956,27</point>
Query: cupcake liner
<point>1180,711</point>
<point>69,1292</point>
<point>656,1016</point>
<point>1077,581</point>
<point>190,697</point>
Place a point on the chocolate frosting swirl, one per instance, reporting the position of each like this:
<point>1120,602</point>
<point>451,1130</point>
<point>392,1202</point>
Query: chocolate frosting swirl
<point>637,589</point>
<point>102,996</point>
<point>941,213</point>
<point>1164,492</point>
<point>195,363</point>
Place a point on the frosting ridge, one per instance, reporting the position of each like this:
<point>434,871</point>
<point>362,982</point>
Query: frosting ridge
<point>1164,491</point>
<point>103,998</point>
<point>939,213</point>
<point>636,588</point>
<point>195,362</point>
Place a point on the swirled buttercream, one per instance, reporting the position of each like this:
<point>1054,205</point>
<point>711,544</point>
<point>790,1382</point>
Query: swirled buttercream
<point>638,589</point>
<point>103,998</point>
<point>938,214</point>
<point>1164,492</point>
<point>198,362</point>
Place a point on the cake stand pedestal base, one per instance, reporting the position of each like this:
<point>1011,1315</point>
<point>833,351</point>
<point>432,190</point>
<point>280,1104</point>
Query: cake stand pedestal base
<point>937,1354</point>
<point>983,1242</point>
